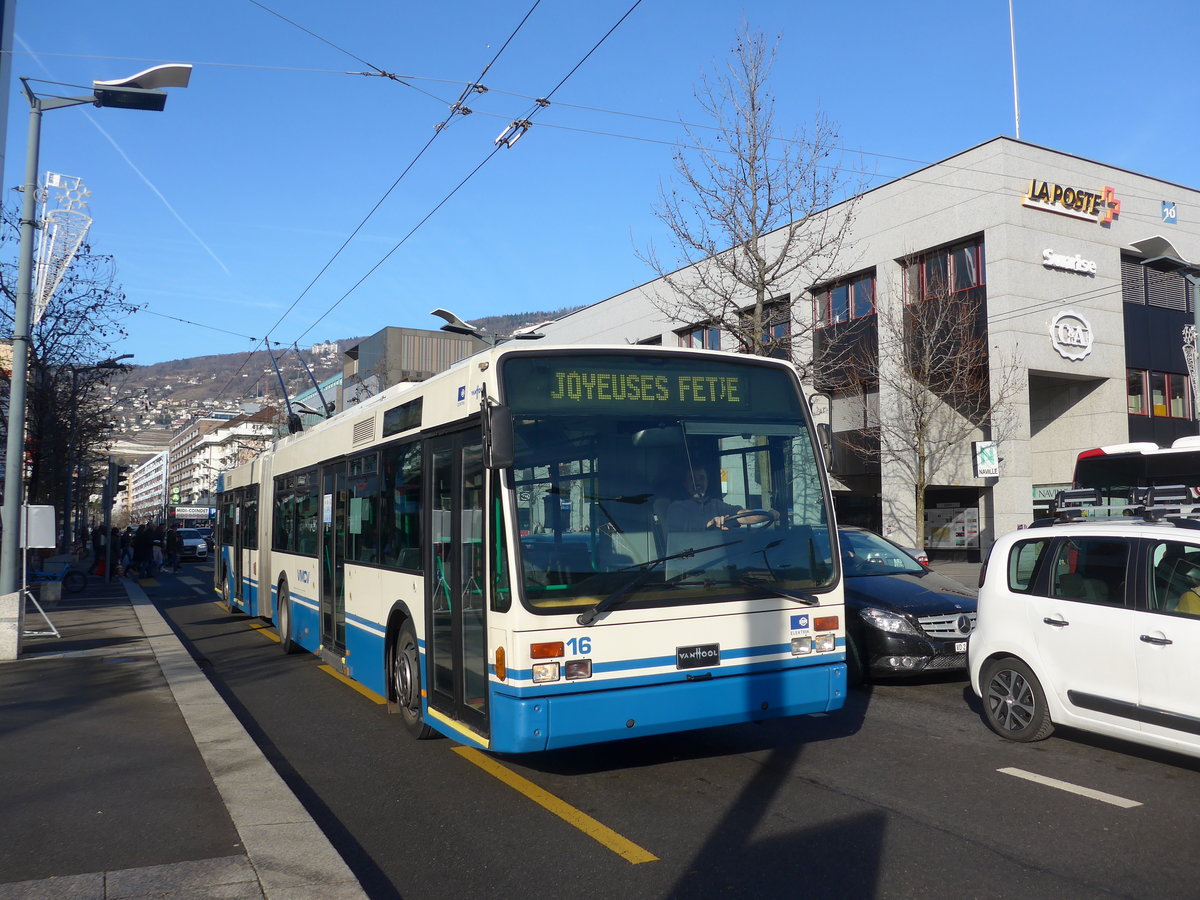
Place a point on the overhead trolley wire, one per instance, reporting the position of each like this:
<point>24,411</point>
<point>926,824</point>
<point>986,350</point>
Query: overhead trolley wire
<point>523,124</point>
<point>455,109</point>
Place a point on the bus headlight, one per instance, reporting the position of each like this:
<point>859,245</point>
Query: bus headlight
<point>826,643</point>
<point>578,668</point>
<point>802,645</point>
<point>544,672</point>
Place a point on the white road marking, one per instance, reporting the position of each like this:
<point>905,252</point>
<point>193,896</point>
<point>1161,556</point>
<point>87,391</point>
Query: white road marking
<point>1071,788</point>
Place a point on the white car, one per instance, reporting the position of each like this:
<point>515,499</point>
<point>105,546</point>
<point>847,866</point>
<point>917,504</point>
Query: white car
<point>194,545</point>
<point>1094,626</point>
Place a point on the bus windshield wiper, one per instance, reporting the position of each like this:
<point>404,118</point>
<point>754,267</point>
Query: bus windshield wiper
<point>588,616</point>
<point>806,599</point>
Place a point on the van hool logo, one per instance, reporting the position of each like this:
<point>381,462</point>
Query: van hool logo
<point>1071,335</point>
<point>697,656</point>
<point>1072,201</point>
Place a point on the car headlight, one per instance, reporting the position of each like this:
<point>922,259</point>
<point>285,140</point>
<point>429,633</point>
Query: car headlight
<point>887,621</point>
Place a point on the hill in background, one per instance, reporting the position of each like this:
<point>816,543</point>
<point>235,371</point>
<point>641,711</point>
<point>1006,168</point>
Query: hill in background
<point>170,394</point>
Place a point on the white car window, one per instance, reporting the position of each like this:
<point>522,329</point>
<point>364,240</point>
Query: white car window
<point>1023,564</point>
<point>1091,570</point>
<point>1175,585</point>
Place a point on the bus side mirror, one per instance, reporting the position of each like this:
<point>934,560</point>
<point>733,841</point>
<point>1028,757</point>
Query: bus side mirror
<point>825,439</point>
<point>497,437</point>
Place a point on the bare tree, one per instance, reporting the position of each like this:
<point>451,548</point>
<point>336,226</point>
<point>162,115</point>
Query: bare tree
<point>928,389</point>
<point>67,416</point>
<point>746,213</point>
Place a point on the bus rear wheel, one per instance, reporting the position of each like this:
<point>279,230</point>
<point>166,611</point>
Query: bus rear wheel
<point>405,664</point>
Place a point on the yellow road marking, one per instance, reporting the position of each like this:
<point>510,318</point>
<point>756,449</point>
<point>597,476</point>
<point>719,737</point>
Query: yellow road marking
<point>265,630</point>
<point>366,692</point>
<point>619,845</point>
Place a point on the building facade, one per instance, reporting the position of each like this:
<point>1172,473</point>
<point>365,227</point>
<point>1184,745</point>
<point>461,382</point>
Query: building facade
<point>206,447</point>
<point>1080,279</point>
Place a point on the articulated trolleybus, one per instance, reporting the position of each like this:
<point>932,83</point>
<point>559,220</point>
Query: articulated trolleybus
<point>545,547</point>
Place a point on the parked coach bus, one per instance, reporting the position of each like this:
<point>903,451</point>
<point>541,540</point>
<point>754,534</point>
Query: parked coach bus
<point>544,547</point>
<point>1123,474</point>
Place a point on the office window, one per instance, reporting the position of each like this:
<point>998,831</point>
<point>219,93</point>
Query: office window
<point>1164,395</point>
<point>1135,388</point>
<point>705,337</point>
<point>945,271</point>
<point>851,298</point>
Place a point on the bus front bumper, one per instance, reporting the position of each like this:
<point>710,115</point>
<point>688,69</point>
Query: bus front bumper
<point>529,724</point>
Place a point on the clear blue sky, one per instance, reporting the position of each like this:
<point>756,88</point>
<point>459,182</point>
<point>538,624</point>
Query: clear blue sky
<point>224,208</point>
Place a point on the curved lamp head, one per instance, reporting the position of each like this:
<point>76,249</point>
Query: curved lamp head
<point>143,90</point>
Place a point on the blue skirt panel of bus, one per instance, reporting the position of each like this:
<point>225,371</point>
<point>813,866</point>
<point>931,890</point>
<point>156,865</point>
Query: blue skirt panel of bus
<point>365,653</point>
<point>547,723</point>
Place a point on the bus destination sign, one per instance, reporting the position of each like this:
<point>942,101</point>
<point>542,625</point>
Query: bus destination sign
<point>590,387</point>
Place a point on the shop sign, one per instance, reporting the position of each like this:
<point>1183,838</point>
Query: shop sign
<point>1045,493</point>
<point>987,459</point>
<point>1071,335</point>
<point>1076,202</point>
<point>1076,263</point>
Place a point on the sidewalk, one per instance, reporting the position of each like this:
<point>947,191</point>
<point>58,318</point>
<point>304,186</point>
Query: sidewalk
<point>124,774</point>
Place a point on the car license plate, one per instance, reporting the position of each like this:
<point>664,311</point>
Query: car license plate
<point>697,656</point>
<point>960,646</point>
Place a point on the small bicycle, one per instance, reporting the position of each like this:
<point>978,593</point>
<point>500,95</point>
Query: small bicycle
<point>73,580</point>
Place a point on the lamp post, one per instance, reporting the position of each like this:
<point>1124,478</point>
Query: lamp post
<point>140,91</point>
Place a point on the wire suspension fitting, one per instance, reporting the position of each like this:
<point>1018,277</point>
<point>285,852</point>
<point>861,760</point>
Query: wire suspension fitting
<point>513,133</point>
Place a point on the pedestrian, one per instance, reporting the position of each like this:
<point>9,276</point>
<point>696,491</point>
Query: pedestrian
<point>174,549</point>
<point>143,551</point>
<point>126,549</point>
<point>97,551</point>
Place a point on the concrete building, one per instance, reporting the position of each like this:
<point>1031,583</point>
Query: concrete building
<point>1084,277</point>
<point>146,495</point>
<point>395,355</point>
<point>201,450</point>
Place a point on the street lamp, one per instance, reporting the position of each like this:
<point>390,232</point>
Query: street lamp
<point>140,91</point>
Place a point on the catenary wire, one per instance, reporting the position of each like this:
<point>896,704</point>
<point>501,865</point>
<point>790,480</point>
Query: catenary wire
<point>456,109</point>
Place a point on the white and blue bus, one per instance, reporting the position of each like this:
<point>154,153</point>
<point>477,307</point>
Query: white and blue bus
<point>549,547</point>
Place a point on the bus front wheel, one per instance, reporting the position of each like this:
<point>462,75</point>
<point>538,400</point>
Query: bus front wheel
<point>405,663</point>
<point>283,620</point>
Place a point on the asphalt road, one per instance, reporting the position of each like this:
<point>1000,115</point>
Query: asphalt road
<point>903,793</point>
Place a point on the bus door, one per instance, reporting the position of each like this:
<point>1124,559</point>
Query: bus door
<point>333,558</point>
<point>456,637</point>
<point>241,591</point>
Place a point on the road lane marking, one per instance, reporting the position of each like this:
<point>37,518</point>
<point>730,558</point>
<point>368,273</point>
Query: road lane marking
<point>619,845</point>
<point>264,629</point>
<point>366,692</point>
<point>1112,799</point>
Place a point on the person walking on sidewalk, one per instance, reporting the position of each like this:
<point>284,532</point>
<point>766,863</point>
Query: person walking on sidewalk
<point>174,549</point>
<point>143,554</point>
<point>97,551</point>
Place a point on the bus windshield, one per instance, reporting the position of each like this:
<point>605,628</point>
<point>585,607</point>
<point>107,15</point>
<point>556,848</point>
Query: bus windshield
<point>661,481</point>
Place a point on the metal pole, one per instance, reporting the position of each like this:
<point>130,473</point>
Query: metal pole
<point>1012,38</point>
<point>14,455</point>
<point>68,525</point>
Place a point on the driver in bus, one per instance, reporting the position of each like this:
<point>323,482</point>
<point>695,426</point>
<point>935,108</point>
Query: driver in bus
<point>699,511</point>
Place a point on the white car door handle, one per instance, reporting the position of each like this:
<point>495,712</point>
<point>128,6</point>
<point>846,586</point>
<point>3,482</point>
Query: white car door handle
<point>1157,641</point>
<point>1057,623</point>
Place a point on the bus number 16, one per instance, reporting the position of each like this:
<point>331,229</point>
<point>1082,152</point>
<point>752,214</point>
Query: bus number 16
<point>581,645</point>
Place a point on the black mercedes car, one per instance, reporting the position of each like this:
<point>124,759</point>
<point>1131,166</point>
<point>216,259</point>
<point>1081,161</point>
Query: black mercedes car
<point>901,618</point>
